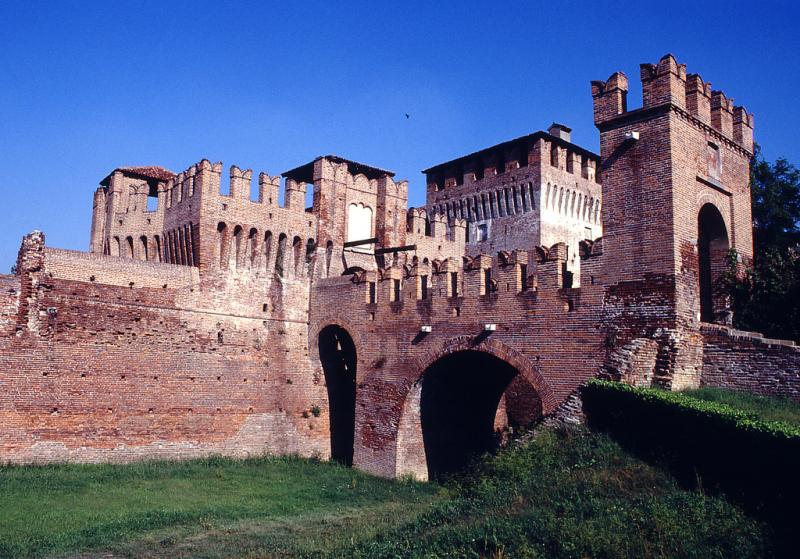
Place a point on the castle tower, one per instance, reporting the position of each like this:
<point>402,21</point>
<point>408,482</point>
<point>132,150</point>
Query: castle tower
<point>676,190</point>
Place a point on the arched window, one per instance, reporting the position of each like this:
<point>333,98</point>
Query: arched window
<point>359,225</point>
<point>297,244</point>
<point>143,252</point>
<point>115,247</point>
<point>158,248</point>
<point>712,251</point>
<point>237,244</point>
<point>533,195</point>
<point>311,250</point>
<point>328,257</point>
<point>267,249</point>
<point>280,256</point>
<point>129,247</point>
<point>222,238</point>
<point>252,246</point>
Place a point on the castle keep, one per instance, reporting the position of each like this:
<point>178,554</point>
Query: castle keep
<point>401,341</point>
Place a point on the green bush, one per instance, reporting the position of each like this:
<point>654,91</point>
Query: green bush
<point>769,408</point>
<point>707,444</point>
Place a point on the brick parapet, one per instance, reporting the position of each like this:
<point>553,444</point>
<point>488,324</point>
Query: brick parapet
<point>747,361</point>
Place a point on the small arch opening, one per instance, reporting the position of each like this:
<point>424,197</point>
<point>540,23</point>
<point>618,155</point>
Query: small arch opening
<point>337,353</point>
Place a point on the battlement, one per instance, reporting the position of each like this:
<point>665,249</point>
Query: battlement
<point>206,178</point>
<point>666,83</point>
<point>553,148</point>
<point>436,227</point>
<point>508,273</point>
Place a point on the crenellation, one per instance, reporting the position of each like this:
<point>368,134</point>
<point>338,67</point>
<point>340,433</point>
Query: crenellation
<point>610,97</point>
<point>559,263</point>
<point>663,83</point>
<point>268,189</point>
<point>722,113</point>
<point>698,98</point>
<point>240,182</point>
<point>743,123</point>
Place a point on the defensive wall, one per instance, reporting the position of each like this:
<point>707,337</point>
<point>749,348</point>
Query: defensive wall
<point>359,329</point>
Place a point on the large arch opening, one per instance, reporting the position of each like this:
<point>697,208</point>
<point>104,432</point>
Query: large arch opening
<point>463,409</point>
<point>712,248</point>
<point>337,352</point>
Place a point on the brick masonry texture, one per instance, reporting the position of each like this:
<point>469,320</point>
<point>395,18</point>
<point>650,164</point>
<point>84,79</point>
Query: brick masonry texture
<point>206,321</point>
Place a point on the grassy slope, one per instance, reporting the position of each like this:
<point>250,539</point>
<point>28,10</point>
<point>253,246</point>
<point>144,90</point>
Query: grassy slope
<point>771,409</point>
<point>566,494</point>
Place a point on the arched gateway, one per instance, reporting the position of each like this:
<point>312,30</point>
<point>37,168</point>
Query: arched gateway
<point>712,248</point>
<point>463,409</point>
<point>459,407</point>
<point>337,353</point>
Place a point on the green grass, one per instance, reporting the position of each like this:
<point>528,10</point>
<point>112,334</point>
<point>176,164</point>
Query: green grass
<point>766,408</point>
<point>566,494</point>
<point>52,509</point>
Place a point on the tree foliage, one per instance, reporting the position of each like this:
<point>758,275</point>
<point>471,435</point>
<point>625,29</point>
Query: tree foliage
<point>766,298</point>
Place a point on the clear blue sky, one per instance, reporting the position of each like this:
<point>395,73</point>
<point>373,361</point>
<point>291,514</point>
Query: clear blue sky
<point>86,87</point>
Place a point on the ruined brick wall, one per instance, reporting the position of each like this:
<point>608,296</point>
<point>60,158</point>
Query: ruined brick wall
<point>9,302</point>
<point>112,270</point>
<point>106,373</point>
<point>749,362</point>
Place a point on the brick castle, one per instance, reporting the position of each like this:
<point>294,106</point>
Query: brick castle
<point>399,340</point>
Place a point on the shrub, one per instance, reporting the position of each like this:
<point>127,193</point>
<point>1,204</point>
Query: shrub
<point>706,444</point>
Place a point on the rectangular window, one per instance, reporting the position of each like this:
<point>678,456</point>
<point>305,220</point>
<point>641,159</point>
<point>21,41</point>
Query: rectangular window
<point>454,284</point>
<point>483,232</point>
<point>423,285</point>
<point>523,272</point>
<point>372,292</point>
<point>714,161</point>
<point>396,289</point>
<point>487,281</point>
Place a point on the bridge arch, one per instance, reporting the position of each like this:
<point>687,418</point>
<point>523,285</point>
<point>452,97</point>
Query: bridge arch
<point>466,393</point>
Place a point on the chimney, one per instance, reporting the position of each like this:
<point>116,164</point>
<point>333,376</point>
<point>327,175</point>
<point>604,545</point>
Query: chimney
<point>560,131</point>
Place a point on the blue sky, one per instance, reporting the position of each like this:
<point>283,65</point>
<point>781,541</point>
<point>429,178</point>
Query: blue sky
<point>86,87</point>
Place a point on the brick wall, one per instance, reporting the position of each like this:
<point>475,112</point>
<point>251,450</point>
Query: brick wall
<point>210,344</point>
<point>112,270</point>
<point>749,362</point>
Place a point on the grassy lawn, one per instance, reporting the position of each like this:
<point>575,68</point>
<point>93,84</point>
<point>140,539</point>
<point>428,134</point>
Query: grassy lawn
<point>52,509</point>
<point>770,409</point>
<point>566,494</point>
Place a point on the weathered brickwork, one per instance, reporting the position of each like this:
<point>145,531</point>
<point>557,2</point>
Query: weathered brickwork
<point>747,361</point>
<point>206,321</point>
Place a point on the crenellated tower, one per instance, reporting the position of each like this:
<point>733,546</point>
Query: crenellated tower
<point>675,183</point>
